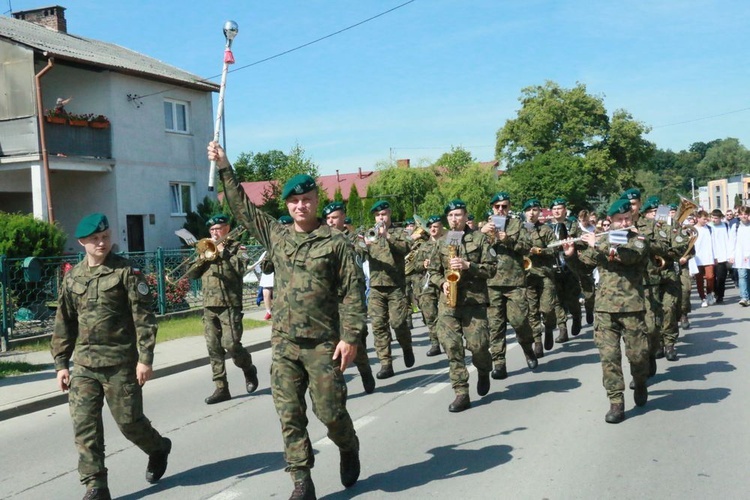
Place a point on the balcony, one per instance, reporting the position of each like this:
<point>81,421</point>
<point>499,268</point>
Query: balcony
<point>67,140</point>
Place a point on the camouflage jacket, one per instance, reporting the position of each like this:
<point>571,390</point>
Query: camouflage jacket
<point>658,244</point>
<point>679,238</point>
<point>104,317</point>
<point>317,285</point>
<point>541,235</point>
<point>472,287</point>
<point>425,251</point>
<point>386,257</point>
<point>620,287</point>
<point>509,255</point>
<point>221,278</point>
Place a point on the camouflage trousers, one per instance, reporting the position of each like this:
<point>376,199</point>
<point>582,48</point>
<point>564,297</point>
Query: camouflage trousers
<point>507,304</point>
<point>568,290</point>
<point>455,325</point>
<point>588,289</point>
<point>361,360</point>
<point>428,304</point>
<point>295,367</point>
<point>386,307</point>
<point>609,328</point>
<point>670,292</point>
<point>222,329</point>
<point>88,389</point>
<point>654,317</point>
<point>686,287</point>
<point>542,300</point>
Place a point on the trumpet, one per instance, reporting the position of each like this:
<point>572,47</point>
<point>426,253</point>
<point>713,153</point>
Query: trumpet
<point>374,232</point>
<point>598,235</point>
<point>207,249</point>
<point>527,264</point>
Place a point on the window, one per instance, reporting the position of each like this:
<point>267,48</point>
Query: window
<point>182,198</point>
<point>176,116</point>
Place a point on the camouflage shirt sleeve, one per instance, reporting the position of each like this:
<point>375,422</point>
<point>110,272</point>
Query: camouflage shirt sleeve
<point>144,320</point>
<point>66,328</point>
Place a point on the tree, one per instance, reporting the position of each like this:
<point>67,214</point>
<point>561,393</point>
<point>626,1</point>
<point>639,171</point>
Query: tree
<point>195,222</point>
<point>251,167</point>
<point>575,127</point>
<point>725,158</point>
<point>21,235</point>
<point>354,208</point>
<point>404,188</point>
<point>455,161</point>
<point>475,186</point>
<point>297,163</point>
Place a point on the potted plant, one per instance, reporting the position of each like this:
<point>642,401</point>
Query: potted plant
<point>56,116</point>
<point>99,121</point>
<point>76,120</point>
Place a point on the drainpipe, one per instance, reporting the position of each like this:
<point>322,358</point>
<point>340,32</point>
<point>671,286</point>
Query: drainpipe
<point>42,138</point>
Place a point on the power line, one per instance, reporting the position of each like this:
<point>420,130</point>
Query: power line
<point>702,118</point>
<point>293,49</point>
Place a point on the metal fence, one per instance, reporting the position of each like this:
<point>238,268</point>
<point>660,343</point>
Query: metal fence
<point>30,287</point>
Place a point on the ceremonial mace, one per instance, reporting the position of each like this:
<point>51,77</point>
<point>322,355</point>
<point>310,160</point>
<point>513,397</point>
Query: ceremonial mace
<point>230,31</point>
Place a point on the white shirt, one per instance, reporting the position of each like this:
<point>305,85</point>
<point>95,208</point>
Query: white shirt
<point>704,251</point>
<point>720,238</point>
<point>739,243</point>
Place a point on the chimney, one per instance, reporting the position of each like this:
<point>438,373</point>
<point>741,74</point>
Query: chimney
<point>338,179</point>
<point>403,163</point>
<point>52,18</point>
<point>360,172</point>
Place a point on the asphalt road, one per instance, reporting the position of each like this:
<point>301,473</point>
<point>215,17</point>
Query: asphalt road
<point>536,435</point>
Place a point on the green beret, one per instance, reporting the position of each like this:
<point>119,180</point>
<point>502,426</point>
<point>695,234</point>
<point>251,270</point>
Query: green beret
<point>217,219</point>
<point>673,206</point>
<point>380,205</point>
<point>652,203</point>
<point>532,203</point>
<point>621,206</point>
<point>347,220</point>
<point>433,219</point>
<point>286,219</point>
<point>299,184</point>
<point>631,194</point>
<point>471,216</point>
<point>92,224</point>
<point>489,213</point>
<point>332,207</point>
<point>454,205</point>
<point>501,196</point>
<point>558,201</point>
<point>409,221</point>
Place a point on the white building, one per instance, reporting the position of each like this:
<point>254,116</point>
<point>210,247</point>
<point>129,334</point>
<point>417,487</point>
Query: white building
<point>145,172</point>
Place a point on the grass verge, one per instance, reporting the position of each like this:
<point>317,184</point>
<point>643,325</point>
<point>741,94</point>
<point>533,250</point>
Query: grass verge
<point>10,368</point>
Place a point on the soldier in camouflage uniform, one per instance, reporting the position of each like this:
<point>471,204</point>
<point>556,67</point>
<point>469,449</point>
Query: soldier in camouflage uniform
<point>318,318</point>
<point>105,325</point>
<point>620,308</point>
<point>426,294</point>
<point>507,288</point>
<point>409,273</point>
<point>335,214</point>
<point>540,289</point>
<point>658,243</point>
<point>221,279</point>
<point>567,284</point>
<point>686,281</point>
<point>387,300</point>
<point>469,254</point>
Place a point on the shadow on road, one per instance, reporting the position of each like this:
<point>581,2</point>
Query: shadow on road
<point>698,343</point>
<point>240,467</point>
<point>681,399</point>
<point>526,390</point>
<point>446,462</point>
<point>688,373</point>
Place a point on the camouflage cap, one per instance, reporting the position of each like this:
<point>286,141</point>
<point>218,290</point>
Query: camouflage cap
<point>92,224</point>
<point>532,203</point>
<point>380,205</point>
<point>454,205</point>
<point>433,219</point>
<point>299,184</point>
<point>558,201</point>
<point>501,196</point>
<point>631,194</point>
<point>217,219</point>
<point>621,206</point>
<point>652,203</point>
<point>332,207</point>
<point>286,219</point>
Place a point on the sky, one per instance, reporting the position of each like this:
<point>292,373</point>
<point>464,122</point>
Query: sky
<point>435,74</point>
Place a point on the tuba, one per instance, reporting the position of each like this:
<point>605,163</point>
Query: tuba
<point>686,208</point>
<point>452,276</point>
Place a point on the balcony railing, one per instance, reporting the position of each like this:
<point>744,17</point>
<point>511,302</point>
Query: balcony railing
<point>67,140</point>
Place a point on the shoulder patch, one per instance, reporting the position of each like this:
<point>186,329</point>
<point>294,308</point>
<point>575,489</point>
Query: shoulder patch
<point>135,270</point>
<point>662,234</point>
<point>493,253</point>
<point>639,243</point>
<point>678,239</point>
<point>142,288</point>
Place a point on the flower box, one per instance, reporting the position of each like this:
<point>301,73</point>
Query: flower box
<point>56,119</point>
<point>99,124</point>
<point>78,123</point>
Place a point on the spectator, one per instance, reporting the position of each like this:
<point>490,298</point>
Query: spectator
<point>704,259</point>
<point>720,241</point>
<point>739,255</point>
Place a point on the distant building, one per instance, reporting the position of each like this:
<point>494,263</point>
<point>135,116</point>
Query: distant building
<point>723,193</point>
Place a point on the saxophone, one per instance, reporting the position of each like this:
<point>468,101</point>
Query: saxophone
<point>452,276</point>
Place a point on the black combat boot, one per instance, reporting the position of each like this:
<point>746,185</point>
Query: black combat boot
<point>483,383</point>
<point>651,366</point>
<point>434,350</point>
<point>590,315</point>
<point>251,379</point>
<point>368,381</point>
<point>97,494</point>
<point>304,489</point>
<point>549,340</point>
<point>531,360</point>
<point>349,466</point>
<point>538,351</point>
<point>386,371</point>
<point>670,353</point>
<point>563,336</point>
<point>640,396</point>
<point>461,403</point>
<point>616,413</point>
<point>575,328</point>
<point>659,352</point>
<point>157,463</point>
<point>409,357</point>
<point>220,395</point>
<point>500,372</point>
<point>684,323</point>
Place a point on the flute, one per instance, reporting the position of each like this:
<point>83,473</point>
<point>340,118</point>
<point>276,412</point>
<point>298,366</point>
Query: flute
<point>573,240</point>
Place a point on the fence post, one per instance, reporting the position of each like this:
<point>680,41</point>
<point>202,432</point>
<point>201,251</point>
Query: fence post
<point>6,310</point>
<point>160,282</point>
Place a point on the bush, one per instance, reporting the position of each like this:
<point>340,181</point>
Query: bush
<point>21,235</point>
<point>175,292</point>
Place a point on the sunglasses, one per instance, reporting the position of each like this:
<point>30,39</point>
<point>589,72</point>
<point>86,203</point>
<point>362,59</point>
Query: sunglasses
<point>501,205</point>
